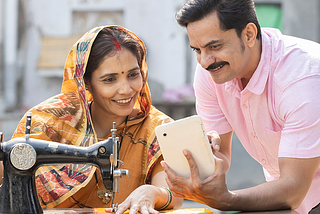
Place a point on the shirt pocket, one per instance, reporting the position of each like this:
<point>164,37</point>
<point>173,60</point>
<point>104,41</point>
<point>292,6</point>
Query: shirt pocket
<point>271,140</point>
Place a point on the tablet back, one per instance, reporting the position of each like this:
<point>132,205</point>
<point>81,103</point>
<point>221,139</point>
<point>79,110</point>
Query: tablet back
<point>187,133</point>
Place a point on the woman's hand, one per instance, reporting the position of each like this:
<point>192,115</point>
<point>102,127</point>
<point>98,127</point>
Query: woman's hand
<point>142,199</point>
<point>214,140</point>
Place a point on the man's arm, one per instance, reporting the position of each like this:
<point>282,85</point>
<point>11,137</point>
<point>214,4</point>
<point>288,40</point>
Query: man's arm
<point>285,193</point>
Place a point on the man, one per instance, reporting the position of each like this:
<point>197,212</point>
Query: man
<point>265,87</point>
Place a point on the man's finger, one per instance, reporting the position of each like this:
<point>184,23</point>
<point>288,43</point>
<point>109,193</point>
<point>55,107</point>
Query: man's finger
<point>175,182</point>
<point>194,170</point>
<point>171,175</point>
<point>167,169</point>
<point>219,165</point>
<point>176,189</point>
<point>214,139</point>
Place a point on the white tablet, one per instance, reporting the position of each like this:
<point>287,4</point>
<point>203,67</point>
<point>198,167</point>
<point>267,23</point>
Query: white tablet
<point>187,133</point>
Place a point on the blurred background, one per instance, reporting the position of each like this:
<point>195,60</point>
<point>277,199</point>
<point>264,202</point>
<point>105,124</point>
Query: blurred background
<point>36,36</point>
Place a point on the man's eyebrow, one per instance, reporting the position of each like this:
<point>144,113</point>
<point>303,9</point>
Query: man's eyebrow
<point>208,44</point>
<point>211,43</point>
<point>193,48</point>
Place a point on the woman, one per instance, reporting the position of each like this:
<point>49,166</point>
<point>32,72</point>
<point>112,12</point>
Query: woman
<point>105,81</point>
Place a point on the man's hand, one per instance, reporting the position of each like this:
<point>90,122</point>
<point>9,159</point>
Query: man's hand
<point>287,192</point>
<point>211,191</point>
<point>221,147</point>
<point>214,140</point>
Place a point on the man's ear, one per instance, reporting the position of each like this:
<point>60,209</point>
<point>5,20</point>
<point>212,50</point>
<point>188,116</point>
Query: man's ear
<point>250,34</point>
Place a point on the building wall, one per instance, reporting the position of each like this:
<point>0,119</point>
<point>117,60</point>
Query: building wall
<point>1,48</point>
<point>152,21</point>
<point>300,18</point>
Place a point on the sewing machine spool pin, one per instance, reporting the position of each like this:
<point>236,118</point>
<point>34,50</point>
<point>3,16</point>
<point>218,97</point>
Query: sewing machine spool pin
<point>28,125</point>
<point>116,172</point>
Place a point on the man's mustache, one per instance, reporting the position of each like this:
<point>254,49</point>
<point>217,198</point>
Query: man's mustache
<point>216,65</point>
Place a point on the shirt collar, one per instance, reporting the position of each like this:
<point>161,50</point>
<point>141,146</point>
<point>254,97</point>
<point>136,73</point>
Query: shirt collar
<point>259,78</point>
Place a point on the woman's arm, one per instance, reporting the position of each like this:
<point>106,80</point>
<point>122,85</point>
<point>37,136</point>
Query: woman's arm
<point>150,198</point>
<point>158,180</point>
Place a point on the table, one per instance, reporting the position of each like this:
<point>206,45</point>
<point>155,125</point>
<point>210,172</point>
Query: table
<point>101,211</point>
<point>178,211</point>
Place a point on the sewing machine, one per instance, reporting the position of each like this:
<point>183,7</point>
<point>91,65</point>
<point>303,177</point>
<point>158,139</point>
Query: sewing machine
<point>23,156</point>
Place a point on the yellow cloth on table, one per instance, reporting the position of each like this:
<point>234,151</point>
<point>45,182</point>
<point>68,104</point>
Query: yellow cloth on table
<point>188,210</point>
<point>173,211</point>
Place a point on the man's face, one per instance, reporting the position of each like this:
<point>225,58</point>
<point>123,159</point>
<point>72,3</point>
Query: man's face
<point>222,53</point>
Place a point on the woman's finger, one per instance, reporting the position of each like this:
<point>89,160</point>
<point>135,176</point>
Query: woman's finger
<point>108,210</point>
<point>122,207</point>
<point>148,210</point>
<point>134,209</point>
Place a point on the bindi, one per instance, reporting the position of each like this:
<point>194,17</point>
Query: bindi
<point>122,72</point>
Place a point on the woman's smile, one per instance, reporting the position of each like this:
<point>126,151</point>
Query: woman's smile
<point>124,101</point>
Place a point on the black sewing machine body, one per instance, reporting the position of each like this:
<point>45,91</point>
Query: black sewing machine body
<point>23,156</point>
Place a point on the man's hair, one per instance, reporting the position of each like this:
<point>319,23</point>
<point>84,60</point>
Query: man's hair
<point>232,14</point>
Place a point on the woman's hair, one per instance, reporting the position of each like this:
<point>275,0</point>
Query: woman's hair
<point>107,43</point>
<point>233,14</point>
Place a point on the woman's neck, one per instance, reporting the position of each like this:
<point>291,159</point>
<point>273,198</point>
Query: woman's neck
<point>104,123</point>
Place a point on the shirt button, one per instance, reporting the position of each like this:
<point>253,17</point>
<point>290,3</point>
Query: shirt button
<point>244,106</point>
<point>253,135</point>
<point>263,161</point>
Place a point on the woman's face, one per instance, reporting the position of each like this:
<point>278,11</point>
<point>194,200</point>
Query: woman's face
<point>116,84</point>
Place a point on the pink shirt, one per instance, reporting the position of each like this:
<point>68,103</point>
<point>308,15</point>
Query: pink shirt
<point>278,113</point>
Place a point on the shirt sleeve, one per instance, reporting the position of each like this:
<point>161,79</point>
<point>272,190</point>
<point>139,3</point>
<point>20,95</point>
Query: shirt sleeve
<point>207,105</point>
<point>299,107</point>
